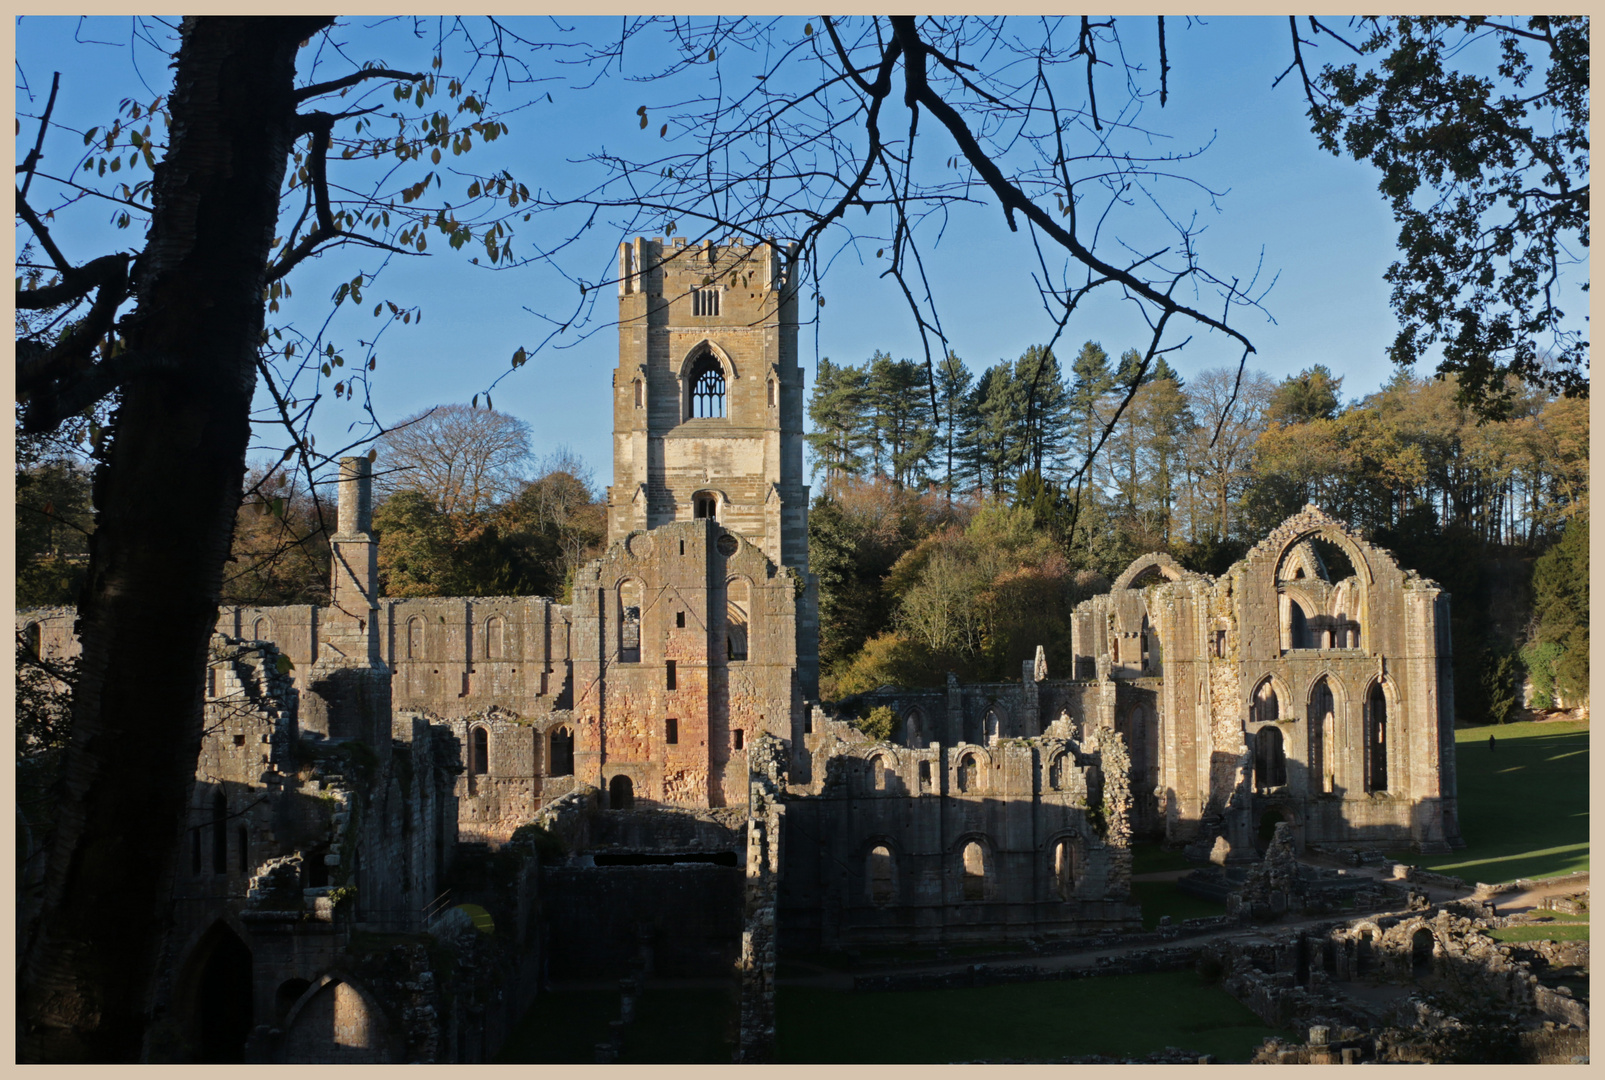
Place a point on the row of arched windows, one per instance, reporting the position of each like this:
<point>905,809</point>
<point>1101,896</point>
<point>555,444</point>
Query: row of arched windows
<point>738,615</point>
<point>559,758</point>
<point>974,871</point>
<point>1270,755</point>
<point>492,639</point>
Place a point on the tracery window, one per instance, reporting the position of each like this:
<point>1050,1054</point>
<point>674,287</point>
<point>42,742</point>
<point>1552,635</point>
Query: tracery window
<point>707,388</point>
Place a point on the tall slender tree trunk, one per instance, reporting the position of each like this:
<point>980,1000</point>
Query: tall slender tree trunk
<point>166,490</point>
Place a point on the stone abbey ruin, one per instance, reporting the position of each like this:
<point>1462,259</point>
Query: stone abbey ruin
<point>697,806</point>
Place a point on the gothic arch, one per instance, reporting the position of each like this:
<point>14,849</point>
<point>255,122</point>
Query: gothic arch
<point>1285,701</point>
<point>708,347</point>
<point>336,1021</point>
<point>1332,533</point>
<point>1158,560</point>
<point>214,992</point>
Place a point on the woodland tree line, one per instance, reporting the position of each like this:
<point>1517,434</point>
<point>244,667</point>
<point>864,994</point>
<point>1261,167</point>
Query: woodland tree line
<point>957,539</point>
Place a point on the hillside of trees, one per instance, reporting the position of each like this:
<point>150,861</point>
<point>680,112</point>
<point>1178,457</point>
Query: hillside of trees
<point>957,539</point>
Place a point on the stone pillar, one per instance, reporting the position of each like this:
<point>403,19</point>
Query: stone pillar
<point>766,781</point>
<point>350,628</point>
<point>348,688</point>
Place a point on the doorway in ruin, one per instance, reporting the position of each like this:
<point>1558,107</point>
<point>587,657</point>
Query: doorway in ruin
<point>620,793</point>
<point>1421,945</point>
<point>220,984</point>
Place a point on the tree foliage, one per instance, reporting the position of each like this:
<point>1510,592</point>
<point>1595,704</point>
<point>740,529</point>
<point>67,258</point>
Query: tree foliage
<point>1479,127</point>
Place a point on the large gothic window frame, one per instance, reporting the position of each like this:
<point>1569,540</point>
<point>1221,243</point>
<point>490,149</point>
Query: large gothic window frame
<point>706,399</point>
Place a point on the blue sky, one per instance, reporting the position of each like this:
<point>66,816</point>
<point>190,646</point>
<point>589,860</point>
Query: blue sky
<point>1314,221</point>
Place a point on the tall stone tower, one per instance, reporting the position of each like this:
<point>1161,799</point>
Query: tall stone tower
<point>708,395</point>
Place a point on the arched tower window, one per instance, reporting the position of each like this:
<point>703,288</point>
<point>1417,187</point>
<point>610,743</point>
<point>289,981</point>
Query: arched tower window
<point>705,504</point>
<point>415,638</point>
<point>707,388</point>
<point>479,752</point>
<point>495,633</point>
<point>877,772</point>
<point>263,630</point>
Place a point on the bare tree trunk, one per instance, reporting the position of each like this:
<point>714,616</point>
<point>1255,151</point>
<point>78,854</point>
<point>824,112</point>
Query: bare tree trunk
<point>166,490</point>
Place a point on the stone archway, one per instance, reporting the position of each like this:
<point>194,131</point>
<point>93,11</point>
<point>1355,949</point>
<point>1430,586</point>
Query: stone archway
<point>219,978</point>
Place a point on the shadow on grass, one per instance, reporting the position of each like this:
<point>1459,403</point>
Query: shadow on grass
<point>1523,804</point>
<point>1119,1015</point>
<point>1164,898</point>
<point>690,1026</point>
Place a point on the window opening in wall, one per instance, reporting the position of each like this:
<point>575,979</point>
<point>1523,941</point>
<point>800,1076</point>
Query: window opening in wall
<point>736,599</point>
<point>219,833</point>
<point>1270,760</point>
<point>703,506</point>
<point>991,726</point>
<point>1056,773</point>
<point>243,836</point>
<point>1220,644</point>
<point>679,616</point>
<point>740,738</point>
<point>1064,869</point>
<point>877,772</point>
<point>974,871</point>
<point>630,622</point>
<point>967,773</point>
<point>211,682</point>
<point>239,740</point>
<point>925,776</point>
<point>640,394</point>
<point>705,303</point>
<point>415,639</point>
<point>1145,653</point>
<point>262,631</point>
<point>1266,708</point>
<point>669,675</point>
<point>494,633</point>
<point>1322,722</point>
<point>882,887</point>
<point>1298,627</point>
<point>620,793</point>
<point>671,731</point>
<point>771,393</point>
<point>707,389</point>
<point>479,752</point>
<point>1377,740</point>
<point>562,756</point>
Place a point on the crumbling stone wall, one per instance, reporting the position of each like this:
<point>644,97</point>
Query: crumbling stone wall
<point>1020,838</point>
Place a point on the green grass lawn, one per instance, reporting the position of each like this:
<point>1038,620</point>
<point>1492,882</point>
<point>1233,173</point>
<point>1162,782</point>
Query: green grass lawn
<point>1163,898</point>
<point>1151,859</point>
<point>1523,806</point>
<point>1120,1016</point>
<point>671,1027</point>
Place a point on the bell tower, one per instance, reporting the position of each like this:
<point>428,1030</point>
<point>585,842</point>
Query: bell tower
<point>708,394</point>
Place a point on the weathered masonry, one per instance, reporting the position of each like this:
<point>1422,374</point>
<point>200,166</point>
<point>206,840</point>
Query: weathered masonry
<point>663,726</point>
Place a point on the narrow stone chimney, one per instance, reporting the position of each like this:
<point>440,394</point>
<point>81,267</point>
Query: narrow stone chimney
<point>351,628</point>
